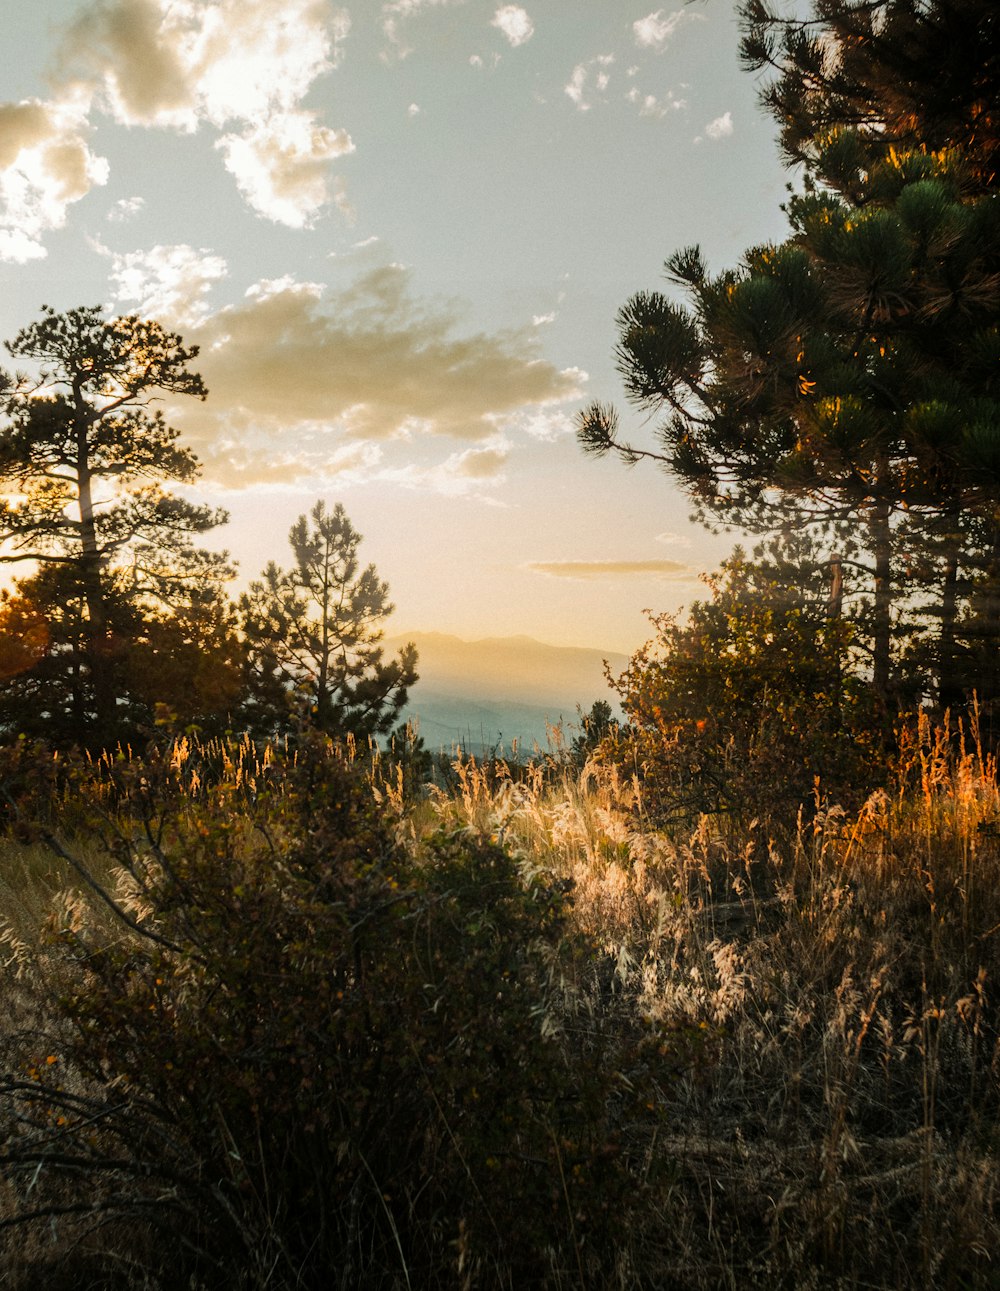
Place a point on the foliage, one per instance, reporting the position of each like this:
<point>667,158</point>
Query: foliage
<point>752,704</point>
<point>596,725</point>
<point>316,629</point>
<point>904,75</point>
<point>848,374</point>
<point>83,459</point>
<point>843,1132</point>
<point>845,1135</point>
<point>295,1049</point>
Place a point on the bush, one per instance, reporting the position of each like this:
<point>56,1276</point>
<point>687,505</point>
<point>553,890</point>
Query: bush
<point>289,1050</point>
<point>749,706</point>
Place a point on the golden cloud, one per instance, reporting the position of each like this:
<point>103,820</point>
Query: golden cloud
<point>367,362</point>
<point>45,166</point>
<point>594,569</point>
<point>241,66</point>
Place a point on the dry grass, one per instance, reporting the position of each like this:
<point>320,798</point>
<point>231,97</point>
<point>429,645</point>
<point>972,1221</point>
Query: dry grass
<point>845,1133</point>
<point>839,1128</point>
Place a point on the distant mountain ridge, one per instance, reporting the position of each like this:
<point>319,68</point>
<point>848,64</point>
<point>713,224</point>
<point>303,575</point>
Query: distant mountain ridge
<point>490,692</point>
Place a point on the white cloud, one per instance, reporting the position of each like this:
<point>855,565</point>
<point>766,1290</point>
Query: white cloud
<point>18,247</point>
<point>45,166</point>
<point>587,78</point>
<point>242,67</point>
<point>671,539</point>
<point>545,424</point>
<point>296,362</point>
<point>515,24</point>
<point>721,127</point>
<point>654,31</point>
<point>281,166</point>
<point>466,473</point>
<point>125,208</point>
<point>539,320</point>
<point>179,62</point>
<point>168,283</point>
<point>650,106</point>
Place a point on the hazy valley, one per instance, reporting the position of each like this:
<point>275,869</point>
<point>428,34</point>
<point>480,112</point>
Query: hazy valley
<point>498,690</point>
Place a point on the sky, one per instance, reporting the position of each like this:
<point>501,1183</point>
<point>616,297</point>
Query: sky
<point>399,233</point>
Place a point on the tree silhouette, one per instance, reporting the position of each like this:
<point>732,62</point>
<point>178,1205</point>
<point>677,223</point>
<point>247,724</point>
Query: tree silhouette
<point>904,75</point>
<point>316,628</point>
<point>82,462</point>
<point>849,374</point>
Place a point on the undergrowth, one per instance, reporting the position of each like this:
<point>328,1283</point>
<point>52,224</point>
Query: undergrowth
<point>508,1034</point>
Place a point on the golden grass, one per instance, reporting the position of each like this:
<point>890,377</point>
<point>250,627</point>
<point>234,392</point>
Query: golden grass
<point>840,1126</point>
<point>845,1132</point>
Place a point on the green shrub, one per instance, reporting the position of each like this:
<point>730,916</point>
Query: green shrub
<point>749,706</point>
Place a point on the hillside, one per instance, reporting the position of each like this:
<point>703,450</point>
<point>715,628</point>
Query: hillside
<point>499,689</point>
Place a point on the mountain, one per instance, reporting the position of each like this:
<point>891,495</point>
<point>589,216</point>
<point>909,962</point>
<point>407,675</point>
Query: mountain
<point>481,694</point>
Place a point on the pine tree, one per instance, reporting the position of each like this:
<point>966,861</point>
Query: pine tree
<point>904,75</point>
<point>315,630</point>
<point>83,459</point>
<point>848,374</point>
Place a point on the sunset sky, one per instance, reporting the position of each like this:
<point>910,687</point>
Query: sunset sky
<point>400,233</point>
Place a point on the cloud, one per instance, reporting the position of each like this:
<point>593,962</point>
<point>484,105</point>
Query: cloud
<point>597,569</point>
<point>281,166</point>
<point>242,67</point>
<point>650,106</point>
<point>45,166</point>
<point>466,473</point>
<point>394,14</point>
<point>515,24</point>
<point>413,110</point>
<point>180,62</point>
<point>481,463</point>
<point>168,283</point>
<point>125,208</point>
<point>587,77</point>
<point>296,363</point>
<point>721,127</point>
<point>671,539</point>
<point>545,424</point>
<point>654,31</point>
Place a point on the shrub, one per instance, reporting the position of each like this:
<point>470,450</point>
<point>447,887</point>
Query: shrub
<point>289,1050</point>
<point>747,706</point>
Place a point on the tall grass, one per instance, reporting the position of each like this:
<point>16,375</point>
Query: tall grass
<point>845,1131</point>
<point>832,1116</point>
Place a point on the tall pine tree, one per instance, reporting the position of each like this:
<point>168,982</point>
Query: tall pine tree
<point>83,460</point>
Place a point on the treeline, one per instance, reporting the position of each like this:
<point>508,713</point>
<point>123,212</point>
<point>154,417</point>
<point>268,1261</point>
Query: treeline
<point>125,621</point>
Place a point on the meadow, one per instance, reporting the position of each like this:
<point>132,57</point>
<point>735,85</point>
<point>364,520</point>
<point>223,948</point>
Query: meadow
<point>290,1022</point>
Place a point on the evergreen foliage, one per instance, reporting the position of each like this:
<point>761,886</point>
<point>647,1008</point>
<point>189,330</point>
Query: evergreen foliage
<point>83,459</point>
<point>906,74</point>
<point>848,374</point>
<point>314,631</point>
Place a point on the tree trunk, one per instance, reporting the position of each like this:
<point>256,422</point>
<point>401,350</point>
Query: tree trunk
<point>881,535</point>
<point>949,687</point>
<point>98,641</point>
<point>835,609</point>
<point>988,679</point>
